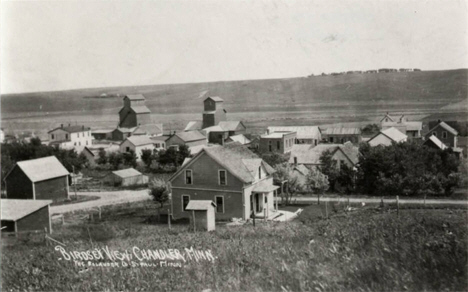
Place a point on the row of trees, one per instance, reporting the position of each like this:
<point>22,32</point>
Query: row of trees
<point>403,169</point>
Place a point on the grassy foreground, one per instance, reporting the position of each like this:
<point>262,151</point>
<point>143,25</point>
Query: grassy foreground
<point>366,250</point>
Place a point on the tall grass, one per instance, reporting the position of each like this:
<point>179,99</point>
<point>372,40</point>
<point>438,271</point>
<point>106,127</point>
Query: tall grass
<point>365,251</point>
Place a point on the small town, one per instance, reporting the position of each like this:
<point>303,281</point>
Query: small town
<point>345,179</point>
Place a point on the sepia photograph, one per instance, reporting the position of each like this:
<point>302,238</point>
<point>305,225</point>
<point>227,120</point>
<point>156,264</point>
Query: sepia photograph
<point>234,145</point>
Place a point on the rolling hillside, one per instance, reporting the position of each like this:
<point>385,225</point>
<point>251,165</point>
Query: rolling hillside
<point>329,99</point>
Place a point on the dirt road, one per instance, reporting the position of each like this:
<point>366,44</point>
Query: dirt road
<point>106,198</point>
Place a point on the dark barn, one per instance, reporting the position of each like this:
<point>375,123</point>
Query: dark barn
<point>25,215</point>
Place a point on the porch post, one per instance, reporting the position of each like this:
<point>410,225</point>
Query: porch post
<point>276,199</point>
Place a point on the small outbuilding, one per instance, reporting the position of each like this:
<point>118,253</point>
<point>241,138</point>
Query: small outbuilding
<point>203,212</point>
<point>25,215</point>
<point>126,178</point>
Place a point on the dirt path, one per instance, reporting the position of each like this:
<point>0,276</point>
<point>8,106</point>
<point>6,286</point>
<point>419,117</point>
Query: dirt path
<point>106,198</point>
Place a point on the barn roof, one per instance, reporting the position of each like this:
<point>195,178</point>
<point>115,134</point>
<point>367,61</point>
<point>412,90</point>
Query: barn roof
<point>200,205</point>
<point>215,98</point>
<point>140,109</point>
<point>303,132</point>
<point>240,138</point>
<point>42,168</point>
<point>310,154</point>
<point>342,131</point>
<point>446,127</point>
<point>13,210</point>
<point>72,129</point>
<point>140,140</point>
<point>129,172</point>
<point>190,136</point>
<point>193,125</point>
<point>231,125</point>
<point>135,96</point>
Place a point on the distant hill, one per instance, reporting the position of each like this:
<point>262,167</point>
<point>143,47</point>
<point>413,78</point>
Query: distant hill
<point>356,92</point>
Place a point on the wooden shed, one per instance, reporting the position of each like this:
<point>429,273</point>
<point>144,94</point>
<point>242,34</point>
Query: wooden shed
<point>203,212</point>
<point>127,177</point>
<point>25,215</point>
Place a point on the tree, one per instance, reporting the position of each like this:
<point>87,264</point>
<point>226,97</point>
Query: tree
<point>102,156</point>
<point>318,182</point>
<point>130,158</point>
<point>274,159</point>
<point>288,180</point>
<point>184,152</point>
<point>347,179</point>
<point>329,168</point>
<point>159,191</point>
<point>370,129</point>
<point>146,156</point>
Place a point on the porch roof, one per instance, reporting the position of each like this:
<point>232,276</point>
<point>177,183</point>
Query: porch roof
<point>264,187</point>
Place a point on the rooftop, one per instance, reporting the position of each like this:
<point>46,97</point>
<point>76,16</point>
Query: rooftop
<point>42,168</point>
<point>276,135</point>
<point>436,142</point>
<point>193,125</point>
<point>140,140</point>
<point>140,109</point>
<point>446,127</point>
<point>72,129</point>
<point>190,136</point>
<point>200,205</point>
<point>231,125</point>
<point>394,134</point>
<point>310,154</point>
<point>303,132</point>
<point>342,131</point>
<point>129,172</point>
<point>240,138</point>
<point>135,96</point>
<point>13,210</point>
<point>215,98</point>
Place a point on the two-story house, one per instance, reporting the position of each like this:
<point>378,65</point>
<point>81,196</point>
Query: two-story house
<point>70,137</point>
<point>445,133</point>
<point>231,176</point>
<point>279,142</point>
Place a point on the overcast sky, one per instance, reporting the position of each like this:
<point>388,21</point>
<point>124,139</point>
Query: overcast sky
<point>55,45</point>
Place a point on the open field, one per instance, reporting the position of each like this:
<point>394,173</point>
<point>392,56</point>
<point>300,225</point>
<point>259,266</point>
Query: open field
<point>365,250</point>
<point>321,100</point>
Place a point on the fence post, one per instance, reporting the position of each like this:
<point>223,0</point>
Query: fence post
<point>398,205</point>
<point>169,218</point>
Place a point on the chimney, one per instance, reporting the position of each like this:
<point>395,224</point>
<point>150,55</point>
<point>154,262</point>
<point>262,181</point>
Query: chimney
<point>295,160</point>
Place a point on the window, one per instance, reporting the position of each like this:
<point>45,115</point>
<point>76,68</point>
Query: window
<point>266,199</point>
<point>434,133</point>
<point>188,177</point>
<point>66,137</point>
<point>444,135</point>
<point>259,172</point>
<point>127,149</point>
<point>269,146</point>
<point>331,139</point>
<point>86,142</point>
<point>342,163</point>
<point>79,143</point>
<point>78,135</point>
<point>158,145</point>
<point>222,177</point>
<point>185,201</point>
<point>53,137</point>
<point>278,146</point>
<point>75,144</point>
<point>219,204</point>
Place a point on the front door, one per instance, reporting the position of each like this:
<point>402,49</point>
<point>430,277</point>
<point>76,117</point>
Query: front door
<point>255,202</point>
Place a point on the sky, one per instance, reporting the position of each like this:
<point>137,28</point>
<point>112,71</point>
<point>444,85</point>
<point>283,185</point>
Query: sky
<point>66,44</point>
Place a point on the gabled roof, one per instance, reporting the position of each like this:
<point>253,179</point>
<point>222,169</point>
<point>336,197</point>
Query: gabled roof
<point>140,109</point>
<point>231,125</point>
<point>72,129</point>
<point>391,133</point>
<point>342,131</point>
<point>236,158</point>
<point>13,210</point>
<point>303,132</point>
<point>387,116</point>
<point>215,98</point>
<point>310,154</point>
<point>446,127</point>
<point>148,129</point>
<point>275,135</point>
<point>240,138</point>
<point>436,142</point>
<point>135,96</point>
<point>190,136</point>
<point>129,172</point>
<point>413,126</point>
<point>200,205</point>
<point>193,125</point>
<point>140,140</point>
<point>162,138</point>
<point>214,129</point>
<point>42,168</point>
